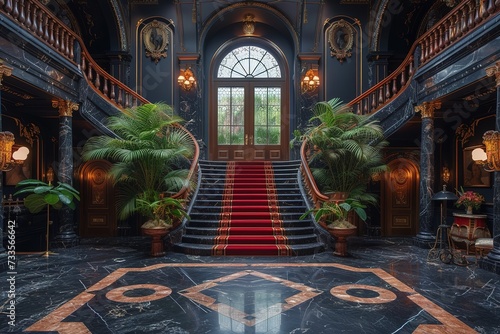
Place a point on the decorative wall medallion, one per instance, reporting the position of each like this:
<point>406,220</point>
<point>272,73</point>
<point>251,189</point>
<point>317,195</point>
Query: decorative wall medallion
<point>341,39</point>
<point>400,187</point>
<point>155,36</point>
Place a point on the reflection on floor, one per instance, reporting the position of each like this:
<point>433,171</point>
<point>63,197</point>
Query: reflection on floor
<point>385,286</point>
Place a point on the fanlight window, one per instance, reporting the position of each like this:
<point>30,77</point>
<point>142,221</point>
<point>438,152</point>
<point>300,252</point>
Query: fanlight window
<point>249,62</point>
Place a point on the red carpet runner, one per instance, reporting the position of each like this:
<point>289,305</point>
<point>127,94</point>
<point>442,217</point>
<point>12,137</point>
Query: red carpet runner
<point>250,222</point>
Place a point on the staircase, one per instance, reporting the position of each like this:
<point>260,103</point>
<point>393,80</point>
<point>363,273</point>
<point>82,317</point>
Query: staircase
<point>249,209</point>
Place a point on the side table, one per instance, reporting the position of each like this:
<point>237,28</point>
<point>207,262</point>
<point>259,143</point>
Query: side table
<point>467,228</point>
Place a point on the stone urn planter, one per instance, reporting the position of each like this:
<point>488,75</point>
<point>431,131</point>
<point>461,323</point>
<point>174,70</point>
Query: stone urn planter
<point>157,234</point>
<point>340,234</point>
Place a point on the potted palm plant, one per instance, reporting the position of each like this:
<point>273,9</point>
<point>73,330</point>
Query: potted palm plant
<point>335,217</point>
<point>150,158</point>
<point>344,152</point>
<point>345,148</point>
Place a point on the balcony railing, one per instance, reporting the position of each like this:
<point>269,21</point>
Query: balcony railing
<point>464,18</point>
<point>461,20</point>
<point>41,23</point>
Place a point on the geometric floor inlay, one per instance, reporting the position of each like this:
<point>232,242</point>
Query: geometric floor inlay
<point>240,298</point>
<point>261,312</point>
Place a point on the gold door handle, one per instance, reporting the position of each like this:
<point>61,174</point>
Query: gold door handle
<point>246,139</point>
<point>251,139</point>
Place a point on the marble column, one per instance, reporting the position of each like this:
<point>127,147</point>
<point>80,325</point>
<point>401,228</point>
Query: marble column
<point>492,261</point>
<point>426,235</point>
<point>4,71</point>
<point>66,236</point>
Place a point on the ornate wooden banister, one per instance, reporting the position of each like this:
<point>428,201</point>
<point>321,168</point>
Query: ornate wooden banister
<point>316,196</point>
<point>41,23</point>
<point>453,27</point>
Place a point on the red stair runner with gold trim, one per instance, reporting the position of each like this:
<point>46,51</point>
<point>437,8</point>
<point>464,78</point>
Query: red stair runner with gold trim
<point>250,221</point>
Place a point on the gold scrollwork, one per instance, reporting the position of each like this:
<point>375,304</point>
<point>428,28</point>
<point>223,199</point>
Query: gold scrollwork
<point>341,39</point>
<point>155,36</point>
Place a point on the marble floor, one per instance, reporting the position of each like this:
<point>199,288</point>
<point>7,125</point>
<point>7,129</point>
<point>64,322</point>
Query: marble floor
<point>114,286</point>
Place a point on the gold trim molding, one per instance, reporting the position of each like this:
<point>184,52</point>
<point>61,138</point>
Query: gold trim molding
<point>426,109</point>
<point>494,71</point>
<point>66,108</point>
<point>4,70</point>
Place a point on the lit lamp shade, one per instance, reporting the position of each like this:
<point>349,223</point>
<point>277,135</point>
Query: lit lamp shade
<point>478,154</point>
<point>21,154</point>
<point>186,79</point>
<point>310,81</point>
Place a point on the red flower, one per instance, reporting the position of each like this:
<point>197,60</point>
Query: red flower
<point>469,198</point>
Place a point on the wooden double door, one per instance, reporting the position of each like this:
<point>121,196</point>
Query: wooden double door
<point>249,121</point>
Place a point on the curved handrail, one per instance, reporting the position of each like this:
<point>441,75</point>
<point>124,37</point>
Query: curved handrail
<point>313,190</point>
<point>461,20</point>
<point>44,25</point>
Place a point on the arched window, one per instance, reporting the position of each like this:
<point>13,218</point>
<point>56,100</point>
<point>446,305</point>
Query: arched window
<point>249,62</point>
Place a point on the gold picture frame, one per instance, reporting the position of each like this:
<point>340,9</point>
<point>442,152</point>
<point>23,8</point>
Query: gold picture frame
<point>341,40</point>
<point>474,174</point>
<point>156,40</point>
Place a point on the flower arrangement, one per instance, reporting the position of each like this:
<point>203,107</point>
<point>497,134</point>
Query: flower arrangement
<point>469,199</point>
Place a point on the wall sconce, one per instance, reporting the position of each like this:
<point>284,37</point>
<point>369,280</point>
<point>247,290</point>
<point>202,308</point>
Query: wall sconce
<point>186,79</point>
<point>49,175</point>
<point>446,174</point>
<point>310,81</point>
<point>9,159</point>
<point>491,158</point>
<point>248,24</point>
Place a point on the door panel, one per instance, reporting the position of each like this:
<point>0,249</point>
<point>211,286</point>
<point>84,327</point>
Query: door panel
<point>400,199</point>
<point>99,218</point>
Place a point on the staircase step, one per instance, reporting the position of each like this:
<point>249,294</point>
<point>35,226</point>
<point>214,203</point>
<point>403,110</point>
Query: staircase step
<point>251,230</point>
<point>206,250</point>
<point>247,223</point>
<point>251,226</point>
<point>250,239</point>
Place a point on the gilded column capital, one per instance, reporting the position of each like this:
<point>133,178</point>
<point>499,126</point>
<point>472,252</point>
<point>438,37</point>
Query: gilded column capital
<point>66,108</point>
<point>4,70</point>
<point>426,109</point>
<point>494,71</point>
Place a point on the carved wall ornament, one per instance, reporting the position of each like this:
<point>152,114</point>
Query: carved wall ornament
<point>341,40</point>
<point>30,132</point>
<point>155,36</point>
<point>4,70</point>
<point>494,71</point>
<point>400,187</point>
<point>465,131</point>
<point>24,96</point>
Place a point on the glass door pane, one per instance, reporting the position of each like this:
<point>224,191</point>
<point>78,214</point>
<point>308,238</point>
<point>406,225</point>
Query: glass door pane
<point>267,115</point>
<point>230,115</point>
